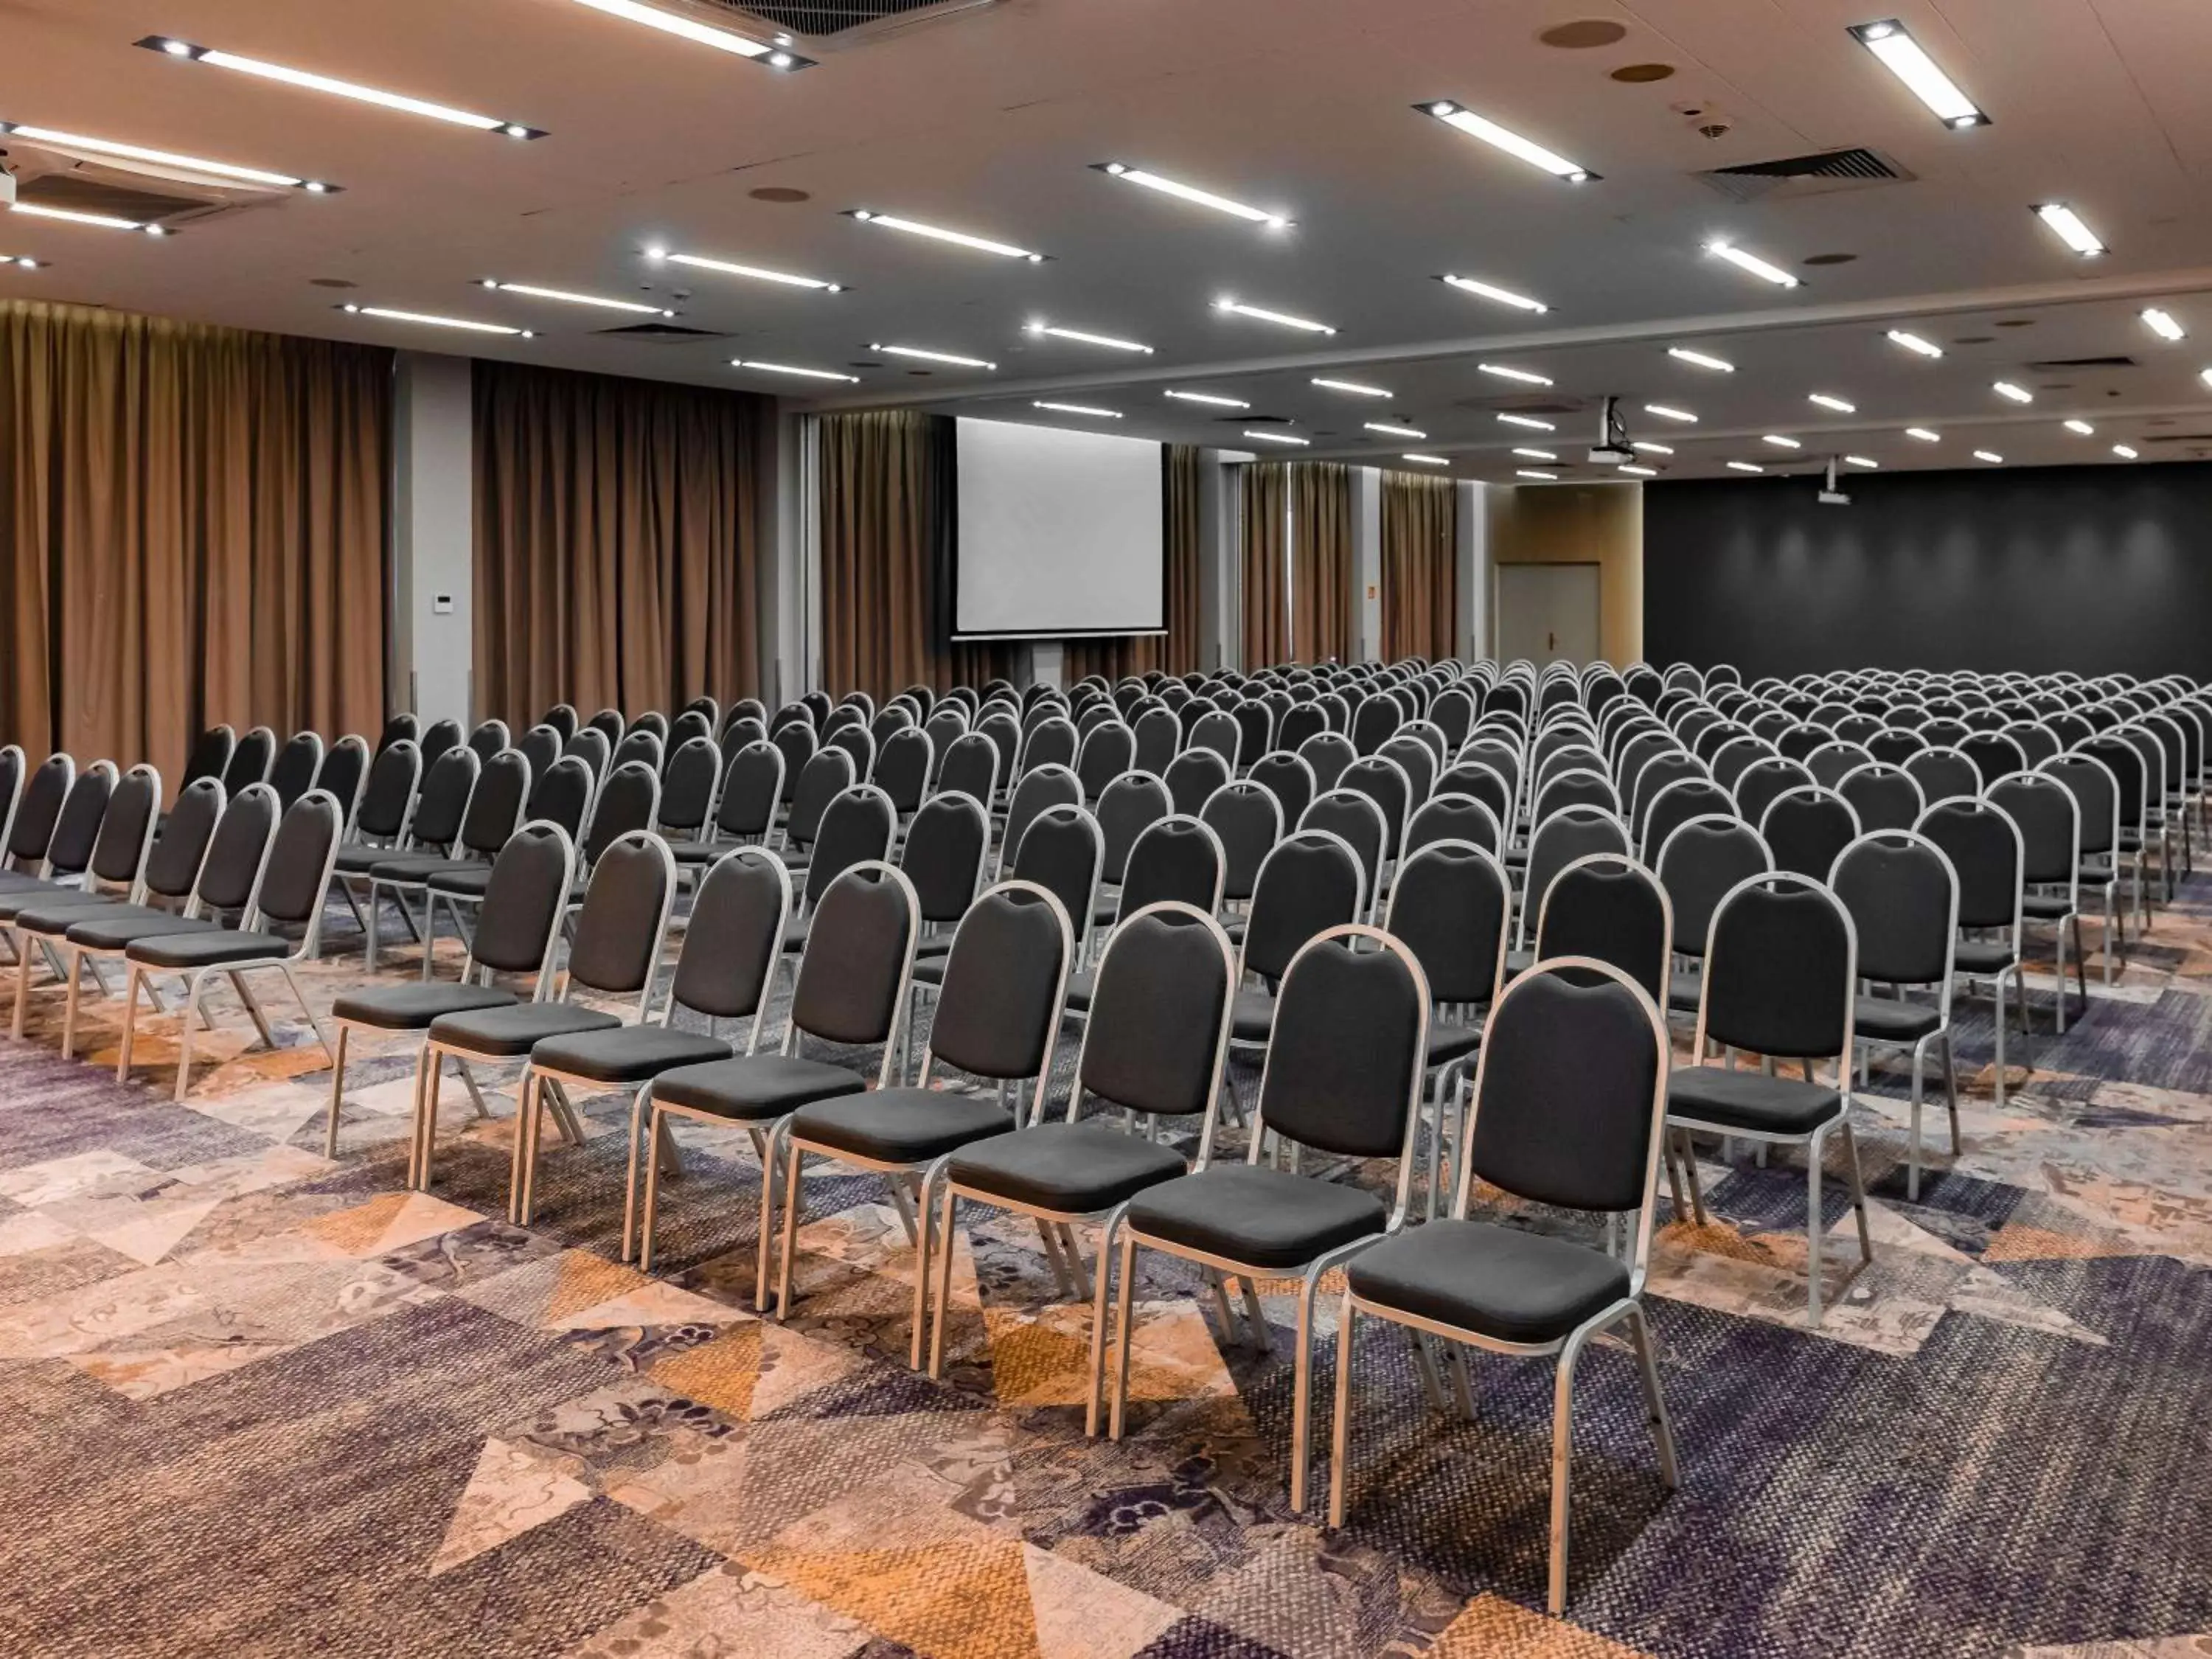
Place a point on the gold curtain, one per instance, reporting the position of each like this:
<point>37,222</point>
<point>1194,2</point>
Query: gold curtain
<point>1320,561</point>
<point>192,530</point>
<point>887,513</point>
<point>1177,651</point>
<point>1420,567</point>
<point>615,541</point>
<point>1264,628</point>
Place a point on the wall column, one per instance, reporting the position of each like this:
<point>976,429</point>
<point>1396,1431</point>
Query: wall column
<point>789,578</point>
<point>1367,563</point>
<point>434,536</point>
<point>1220,568</point>
<point>1471,627</point>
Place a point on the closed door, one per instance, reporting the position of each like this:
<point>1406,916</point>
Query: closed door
<point>1547,612</point>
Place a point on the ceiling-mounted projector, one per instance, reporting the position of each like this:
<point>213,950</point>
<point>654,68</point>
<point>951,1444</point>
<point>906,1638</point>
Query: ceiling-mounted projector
<point>1611,446</point>
<point>1830,496</point>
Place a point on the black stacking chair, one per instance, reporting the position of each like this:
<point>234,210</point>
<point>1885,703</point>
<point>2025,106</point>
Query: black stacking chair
<point>210,758</point>
<point>2050,820</point>
<point>1452,816</point>
<point>1679,803</point>
<point>1987,854</point>
<point>1569,834</point>
<point>1327,754</point>
<point>1903,897</point>
<point>1176,860</point>
<point>1763,781</point>
<point>827,774</point>
<point>293,772</point>
<point>1832,761</point>
<point>2096,794</point>
<point>1194,776</point>
<point>113,872</point>
<point>1343,1079</point>
<point>1942,772</point>
<point>541,745</point>
<point>998,1020</point>
<point>294,888</point>
<point>1313,881</point>
<point>249,761</point>
<point>610,724</point>
<point>488,737</point>
<point>688,783</point>
<point>1216,731</point>
<point>1702,861</point>
<point>495,813</point>
<point>65,829</point>
<point>563,718</point>
<point>688,726</point>
<point>904,765</point>
<point>1050,741</point>
<point>1108,752</point>
<point>858,829</point>
<point>1130,805</point>
<point>745,809</point>
<point>1037,791</point>
<point>1288,778</point>
<point>1356,819</point>
<point>1883,796</point>
<point>1806,828</point>
<point>1781,982</point>
<point>344,772</point>
<point>438,737</point>
<point>975,765</point>
<point>12,767</point>
<point>1383,780</point>
<point>591,746</point>
<point>432,836</point>
<point>1248,820</point>
<point>797,740</point>
<point>381,823</point>
<point>943,856</point>
<point>851,992</point>
<point>741,729</point>
<point>1607,907</point>
<point>854,740</point>
<point>1568,1112</point>
<point>518,933</point>
<point>1158,740</point>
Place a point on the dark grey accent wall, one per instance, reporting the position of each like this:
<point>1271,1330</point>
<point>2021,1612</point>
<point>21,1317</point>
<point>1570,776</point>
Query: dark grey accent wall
<point>2096,568</point>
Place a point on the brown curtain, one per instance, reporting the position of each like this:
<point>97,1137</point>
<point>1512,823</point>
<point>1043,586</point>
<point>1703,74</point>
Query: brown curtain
<point>1420,567</point>
<point>1177,651</point>
<point>615,541</point>
<point>888,523</point>
<point>1320,561</point>
<point>1264,628</point>
<point>192,530</point>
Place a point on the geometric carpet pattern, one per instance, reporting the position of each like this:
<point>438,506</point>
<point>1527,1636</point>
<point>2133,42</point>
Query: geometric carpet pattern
<point>256,1401</point>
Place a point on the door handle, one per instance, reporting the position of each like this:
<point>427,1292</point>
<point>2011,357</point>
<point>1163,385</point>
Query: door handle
<point>1551,641</point>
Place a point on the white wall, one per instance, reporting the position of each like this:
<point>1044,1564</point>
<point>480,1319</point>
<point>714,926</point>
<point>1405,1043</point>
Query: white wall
<point>434,537</point>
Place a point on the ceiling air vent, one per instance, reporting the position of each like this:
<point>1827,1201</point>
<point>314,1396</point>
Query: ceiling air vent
<point>844,19</point>
<point>1521,405</point>
<point>114,194</point>
<point>2085,362</point>
<point>2176,438</point>
<point>671,332</point>
<point>1818,175</point>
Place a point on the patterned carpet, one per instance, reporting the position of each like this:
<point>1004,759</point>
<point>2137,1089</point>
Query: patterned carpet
<point>254,1402</point>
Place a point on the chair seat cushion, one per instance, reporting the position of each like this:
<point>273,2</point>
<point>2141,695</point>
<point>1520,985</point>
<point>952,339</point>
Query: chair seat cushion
<point>1254,1016</point>
<point>1984,956</point>
<point>1081,988</point>
<point>900,1125</point>
<point>211,949</point>
<point>1750,1100</point>
<point>630,1053</point>
<point>462,881</point>
<point>930,970</point>
<point>415,1007</point>
<point>1684,992</point>
<point>753,1086</point>
<point>1073,1169</point>
<point>1518,962</point>
<point>2046,907</point>
<point>1501,1281</point>
<point>38,896</point>
<point>359,860</point>
<point>1255,1214</point>
<point>1886,1019</point>
<point>115,930</point>
<point>517,1028</point>
<point>411,866</point>
<point>1449,1041</point>
<point>14,881</point>
<point>60,912</point>
<point>699,852</point>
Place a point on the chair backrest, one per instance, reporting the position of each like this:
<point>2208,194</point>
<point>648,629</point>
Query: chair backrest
<point>999,1010</point>
<point>438,737</point>
<point>1175,859</point>
<point>344,773</point>
<point>1609,909</point>
<point>827,774</point>
<point>1374,723</point>
<point>904,763</point>
<point>1983,845</point>
<point>292,774</point>
<point>797,740</point>
<point>943,856</point>
<point>1194,774</point>
<point>1451,816</point>
<point>1045,787</point>
<point>1677,804</point>
<point>1480,779</point>
<point>1356,819</point>
<point>858,962</point>
<point>518,923</point>
<point>1061,850</point>
<point>654,721</point>
<point>691,723</point>
<point>297,878</point>
<point>1159,739</point>
<point>126,828</point>
<point>610,722</point>
<point>1248,820</point>
<point>976,762</point>
<point>1383,780</point>
<point>640,745</point>
<point>1128,805</point>
<point>173,868</point>
<point>1781,971</point>
<point>496,806</point>
<point>2049,821</point>
<point>1217,730</point>
<point>687,784</point>
<point>1312,881</point>
<point>444,800</point>
<point>211,753</point>
<point>1942,772</point>
<point>1157,1035</point>
<point>249,761</point>
<point>590,745</point>
<point>1903,897</point>
<point>1702,861</point>
<point>1830,761</point>
<point>1107,753</point>
<point>1451,903</point>
<point>1658,774</point>
<point>1805,828</point>
<point>733,939</point>
<point>489,739</point>
<point>1327,753</point>
<point>2098,796</point>
<point>1051,742</point>
<point>1760,782</point>
<point>76,826</point>
<point>1288,778</point>
<point>740,729</point>
<point>563,719</point>
<point>853,737</point>
<point>1572,833</point>
<point>1413,756</point>
<point>1885,796</point>
<point>1994,754</point>
<point>856,829</point>
<point>752,784</point>
<point>626,801</point>
<point>1728,761</point>
<point>624,919</point>
<point>232,870</point>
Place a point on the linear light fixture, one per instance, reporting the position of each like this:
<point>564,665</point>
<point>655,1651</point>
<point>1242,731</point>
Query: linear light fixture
<point>1701,360</point>
<point>2123,452</point>
<point>1091,410</point>
<point>1261,313</point>
<point>529,290</point>
<point>2081,428</point>
<point>1913,342</point>
<point>925,355</point>
<point>1669,413</point>
<point>1752,263</point>
<point>2068,227</point>
<point>1781,442</point>
<point>1924,435</point>
<point>1277,438</point>
<point>1827,401</point>
<point>1425,460</point>
<point>705,35</point>
<point>1214,399</point>
<point>1535,455</point>
<point>166,158</point>
<point>1388,430</point>
<point>1527,149</point>
<point>1744,466</point>
<point>2161,324</point>
<point>2011,393</point>
<point>21,261</point>
<point>2205,375</point>
<point>730,268</point>
<point>1129,175</point>
<point>1529,421</point>
<point>467,324</point>
<point>71,217</point>
<point>1504,296</point>
<point>1652,448</point>
<point>1860,460</point>
<point>1354,387</point>
<point>1081,337</point>
<point>1991,456</point>
<point>1537,473</point>
<point>1634,471</point>
<point>309,80</point>
<point>1521,375</point>
<point>758,367</point>
<point>939,233</point>
<point>1905,57</point>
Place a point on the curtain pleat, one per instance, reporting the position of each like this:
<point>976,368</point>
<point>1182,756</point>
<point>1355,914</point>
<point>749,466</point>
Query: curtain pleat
<point>1177,651</point>
<point>615,541</point>
<point>1320,561</point>
<point>1266,627</point>
<point>194,529</point>
<point>1420,567</point>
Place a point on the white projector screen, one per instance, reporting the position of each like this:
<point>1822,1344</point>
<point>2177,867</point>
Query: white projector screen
<point>1060,534</point>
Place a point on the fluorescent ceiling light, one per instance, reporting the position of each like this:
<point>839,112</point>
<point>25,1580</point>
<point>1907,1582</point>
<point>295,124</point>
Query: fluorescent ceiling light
<point>2006,389</point>
<point>21,261</point>
<point>1903,57</point>
<point>1746,466</point>
<point>532,291</point>
<point>2205,375</point>
<point>1527,149</point>
<point>1214,398</point>
<point>1261,313</point>
<point>166,158</point>
<point>1669,413</point>
<point>792,368</point>
<point>1277,438</point>
<point>939,234</point>
<point>1080,409</point>
<point>1131,175</point>
<point>1652,448</point>
<point>1352,387</point>
<point>1914,342</point>
<point>1827,401</point>
<point>309,80</point>
<point>2123,452</point>
<point>2067,226</point>
<point>425,317</point>
<point>1781,442</point>
<point>1535,455</point>
<point>705,35</point>
<point>1702,360</point>
<point>1860,460</point>
<point>1414,432</point>
<point>2082,427</point>
<point>2161,324</point>
<point>1752,263</point>
<point>928,356</point>
<point>1522,374</point>
<point>1991,456</point>
<point>1529,421</point>
<point>1533,472</point>
<point>1924,435</point>
<point>1631,468</point>
<point>1425,460</point>
<point>71,217</point>
<point>730,268</point>
<point>1504,296</point>
<point>1082,338</point>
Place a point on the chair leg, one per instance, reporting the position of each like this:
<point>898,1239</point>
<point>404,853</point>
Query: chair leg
<point>1124,1335</point>
<point>1912,1142</point>
<point>1647,1370</point>
<point>1562,1442</point>
<point>926,1226</point>
<point>947,1209</point>
<point>638,1105</point>
<point>1301,1388</point>
<point>2059,1003</point>
<point>519,1154</point>
<point>69,1008</point>
<point>22,981</point>
<point>1996,989</point>
<point>185,1035</point>
<point>254,1009</point>
<point>1689,1156</point>
<point>338,1095</point>
<point>653,1203</point>
<point>2081,973</point>
<point>771,1174</point>
<point>300,996</point>
<point>1813,1150</point>
<point>794,1176</point>
<point>418,1157</point>
<point>1339,1448</point>
<point>1858,1191</point>
<point>1256,1331</point>
<point>131,978</point>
